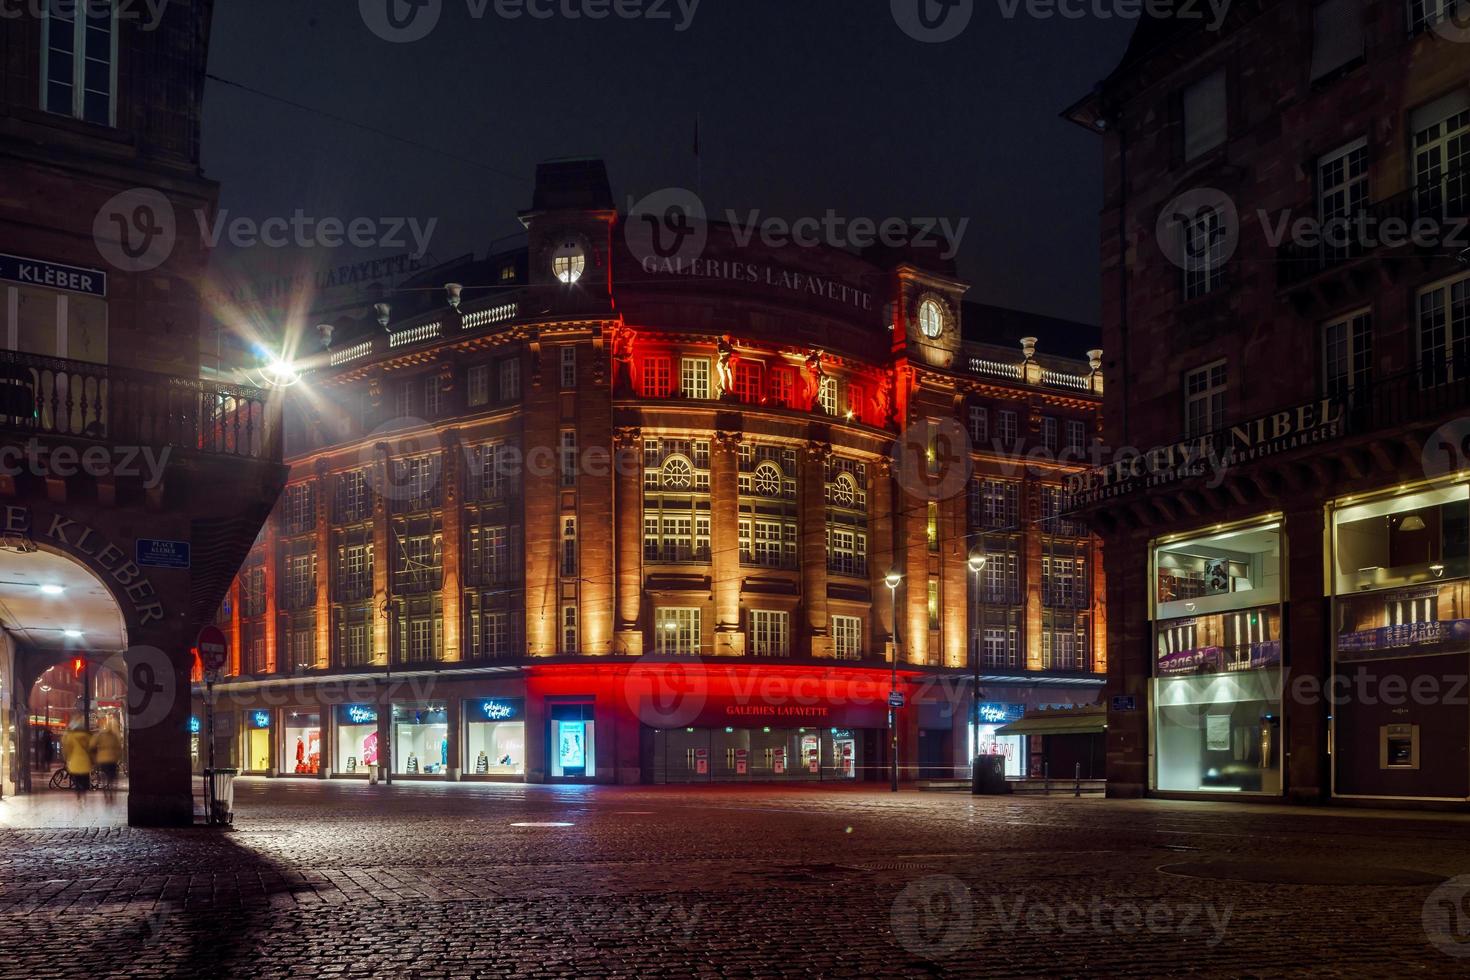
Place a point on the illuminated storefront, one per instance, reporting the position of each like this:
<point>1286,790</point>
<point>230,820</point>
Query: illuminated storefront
<point>1401,615</point>
<point>765,754</point>
<point>356,739</point>
<point>258,730</point>
<point>421,739</point>
<point>494,737</point>
<point>573,744</point>
<point>1217,661</point>
<point>994,715</point>
<point>301,743</point>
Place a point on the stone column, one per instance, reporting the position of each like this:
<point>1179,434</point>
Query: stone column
<point>160,778</point>
<point>729,639</point>
<point>323,570</point>
<point>1308,627</point>
<point>812,492</point>
<point>452,592</point>
<point>1130,646</point>
<point>454,713</point>
<point>883,527</point>
<point>628,527</point>
<point>382,557</point>
<point>272,549</point>
<point>1030,572</point>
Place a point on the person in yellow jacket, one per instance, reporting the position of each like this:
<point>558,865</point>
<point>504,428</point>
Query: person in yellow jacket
<point>107,748</point>
<point>76,751</point>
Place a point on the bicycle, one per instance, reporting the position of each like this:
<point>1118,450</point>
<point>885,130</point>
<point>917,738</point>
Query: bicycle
<point>61,779</point>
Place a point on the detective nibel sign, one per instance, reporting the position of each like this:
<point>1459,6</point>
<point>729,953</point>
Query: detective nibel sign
<point>1214,452</point>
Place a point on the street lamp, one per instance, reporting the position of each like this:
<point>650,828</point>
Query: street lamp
<point>891,580</point>
<point>977,565</point>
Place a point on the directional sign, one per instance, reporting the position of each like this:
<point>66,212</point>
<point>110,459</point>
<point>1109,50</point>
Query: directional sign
<point>213,648</point>
<point>1124,702</point>
<point>163,554</point>
<point>895,699</point>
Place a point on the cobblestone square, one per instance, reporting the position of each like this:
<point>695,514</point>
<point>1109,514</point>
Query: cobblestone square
<point>328,879</point>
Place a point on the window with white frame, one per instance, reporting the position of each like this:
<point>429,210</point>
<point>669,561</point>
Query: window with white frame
<point>1062,581</point>
<point>1444,332</point>
<point>768,542</point>
<point>420,563</point>
<point>770,633</point>
<point>406,400</point>
<point>694,377</point>
<point>979,425</point>
<point>569,367</point>
<point>933,603</point>
<point>1204,400</point>
<point>478,385</point>
<point>492,633</point>
<point>676,631</point>
<point>1049,434</point>
<point>569,629</point>
<point>1342,194</point>
<point>569,546</point>
<point>1205,240</point>
<point>416,482</point>
<point>1347,353</point>
<point>299,508</point>
<point>301,580</point>
<point>433,397</point>
<point>1203,106</point>
<point>847,637</point>
<point>79,60</point>
<point>1006,427</point>
<point>1001,575</point>
<point>1442,155</point>
<point>1076,437</point>
<point>847,551</point>
<point>491,557</point>
<point>568,457</point>
<point>658,376</point>
<point>1001,648</point>
<point>510,379</point>
<point>490,472</point>
<point>354,572</point>
<point>996,504</point>
<point>827,395</point>
<point>1337,35</point>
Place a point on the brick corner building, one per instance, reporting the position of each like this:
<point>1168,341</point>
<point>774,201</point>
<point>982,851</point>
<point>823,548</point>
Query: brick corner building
<point>618,506</point>
<point>109,566</point>
<point>1287,548</point>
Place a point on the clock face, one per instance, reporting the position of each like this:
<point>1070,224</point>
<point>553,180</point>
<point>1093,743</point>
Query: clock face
<point>931,318</point>
<point>569,260</point>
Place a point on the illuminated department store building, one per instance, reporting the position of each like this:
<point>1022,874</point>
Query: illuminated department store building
<point>607,515</point>
<point>1289,558</point>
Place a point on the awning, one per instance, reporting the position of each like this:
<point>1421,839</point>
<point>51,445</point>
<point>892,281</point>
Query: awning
<point>1094,723</point>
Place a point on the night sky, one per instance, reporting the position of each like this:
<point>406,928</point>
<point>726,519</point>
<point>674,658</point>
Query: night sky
<point>805,105</point>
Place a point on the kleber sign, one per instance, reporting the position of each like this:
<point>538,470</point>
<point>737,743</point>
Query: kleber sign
<point>52,275</point>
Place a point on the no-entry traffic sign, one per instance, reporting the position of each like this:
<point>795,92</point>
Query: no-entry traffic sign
<point>212,646</point>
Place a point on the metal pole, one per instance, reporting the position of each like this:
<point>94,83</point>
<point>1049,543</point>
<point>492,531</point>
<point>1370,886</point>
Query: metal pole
<point>209,734</point>
<point>975,675</point>
<point>893,711</point>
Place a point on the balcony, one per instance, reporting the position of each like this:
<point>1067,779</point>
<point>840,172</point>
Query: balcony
<point>53,396</point>
<point>1383,226</point>
<point>1439,386</point>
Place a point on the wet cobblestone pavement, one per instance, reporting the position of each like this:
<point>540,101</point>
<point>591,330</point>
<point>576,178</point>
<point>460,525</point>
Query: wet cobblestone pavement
<point>347,880</point>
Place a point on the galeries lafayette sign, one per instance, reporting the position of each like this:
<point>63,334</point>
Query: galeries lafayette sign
<point>1211,454</point>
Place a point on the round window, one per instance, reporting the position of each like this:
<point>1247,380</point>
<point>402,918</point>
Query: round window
<point>568,261</point>
<point>678,474</point>
<point>767,480</point>
<point>931,318</point>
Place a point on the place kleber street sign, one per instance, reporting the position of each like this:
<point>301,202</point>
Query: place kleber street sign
<point>212,647</point>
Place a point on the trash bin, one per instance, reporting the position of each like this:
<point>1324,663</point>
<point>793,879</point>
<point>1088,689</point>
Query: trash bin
<point>988,776</point>
<point>221,795</point>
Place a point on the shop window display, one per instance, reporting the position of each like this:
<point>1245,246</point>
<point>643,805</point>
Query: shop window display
<point>692,755</point>
<point>420,739</point>
<point>495,737</point>
<point>572,746</point>
<point>357,738</point>
<point>1217,664</point>
<point>992,716</point>
<point>1400,567</point>
<point>257,741</point>
<point>302,734</point>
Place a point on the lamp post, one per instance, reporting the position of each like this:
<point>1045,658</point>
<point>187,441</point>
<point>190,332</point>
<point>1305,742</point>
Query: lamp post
<point>977,565</point>
<point>891,580</point>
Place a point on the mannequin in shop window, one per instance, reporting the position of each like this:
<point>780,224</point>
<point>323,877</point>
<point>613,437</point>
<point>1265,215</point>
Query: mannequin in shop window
<point>482,763</point>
